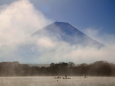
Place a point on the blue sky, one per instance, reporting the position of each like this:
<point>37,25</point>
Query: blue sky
<point>80,13</point>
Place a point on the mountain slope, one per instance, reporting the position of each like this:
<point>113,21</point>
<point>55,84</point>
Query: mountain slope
<point>65,32</point>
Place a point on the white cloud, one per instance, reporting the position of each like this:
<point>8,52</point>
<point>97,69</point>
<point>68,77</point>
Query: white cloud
<point>18,20</point>
<point>105,38</point>
<point>45,42</point>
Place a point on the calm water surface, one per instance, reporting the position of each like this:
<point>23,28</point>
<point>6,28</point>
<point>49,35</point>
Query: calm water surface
<point>51,81</point>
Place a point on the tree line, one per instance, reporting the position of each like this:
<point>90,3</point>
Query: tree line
<point>98,68</point>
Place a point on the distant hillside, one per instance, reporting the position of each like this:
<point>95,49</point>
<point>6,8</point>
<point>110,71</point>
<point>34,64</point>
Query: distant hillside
<point>39,65</point>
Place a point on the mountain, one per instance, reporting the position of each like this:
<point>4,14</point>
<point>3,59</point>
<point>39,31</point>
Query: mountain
<point>64,31</point>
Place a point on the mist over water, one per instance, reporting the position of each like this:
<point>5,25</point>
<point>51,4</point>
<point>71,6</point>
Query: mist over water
<point>50,81</point>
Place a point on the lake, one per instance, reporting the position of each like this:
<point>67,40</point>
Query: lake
<point>51,81</point>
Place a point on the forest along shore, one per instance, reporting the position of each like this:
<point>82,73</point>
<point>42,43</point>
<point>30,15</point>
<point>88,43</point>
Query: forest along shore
<point>98,68</point>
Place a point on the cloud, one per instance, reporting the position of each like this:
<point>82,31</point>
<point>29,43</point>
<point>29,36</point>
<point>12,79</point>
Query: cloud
<point>45,42</point>
<point>76,54</point>
<point>105,38</point>
<point>19,20</point>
